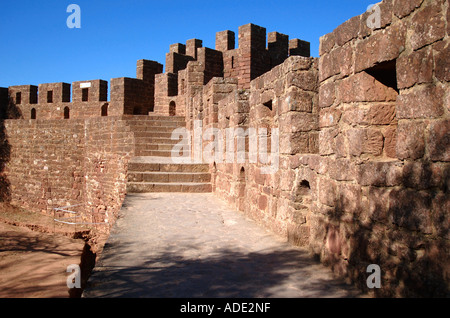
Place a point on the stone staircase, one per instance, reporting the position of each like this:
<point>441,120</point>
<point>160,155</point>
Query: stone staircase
<point>152,170</point>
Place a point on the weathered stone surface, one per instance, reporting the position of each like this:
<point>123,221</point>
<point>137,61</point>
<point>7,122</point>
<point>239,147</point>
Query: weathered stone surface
<point>347,31</point>
<point>329,117</point>
<point>380,174</point>
<point>441,60</point>
<point>427,25</point>
<point>411,209</point>
<point>380,114</point>
<point>369,17</point>
<point>297,100</point>
<point>363,87</point>
<point>380,47</point>
<point>404,8</point>
<point>415,68</point>
<point>410,140</point>
<point>439,140</point>
<point>327,192</point>
<point>328,65</point>
<point>390,141</point>
<point>327,94</point>
<point>365,141</point>
<point>422,102</point>
<point>327,42</point>
<point>327,142</point>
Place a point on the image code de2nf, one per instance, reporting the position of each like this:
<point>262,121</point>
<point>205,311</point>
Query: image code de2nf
<point>229,307</point>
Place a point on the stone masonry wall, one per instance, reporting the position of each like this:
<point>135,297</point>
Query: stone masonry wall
<point>45,168</point>
<point>285,98</point>
<point>383,169</point>
<point>68,162</point>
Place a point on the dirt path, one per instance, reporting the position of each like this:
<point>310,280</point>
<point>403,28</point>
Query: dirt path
<point>33,264</point>
<point>35,254</point>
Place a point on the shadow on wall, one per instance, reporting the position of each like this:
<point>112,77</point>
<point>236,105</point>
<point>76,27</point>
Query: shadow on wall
<point>405,232</point>
<point>7,110</point>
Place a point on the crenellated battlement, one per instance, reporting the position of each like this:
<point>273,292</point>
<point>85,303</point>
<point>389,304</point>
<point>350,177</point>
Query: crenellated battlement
<point>154,90</point>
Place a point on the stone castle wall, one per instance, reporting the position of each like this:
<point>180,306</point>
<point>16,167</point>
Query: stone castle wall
<point>363,167</point>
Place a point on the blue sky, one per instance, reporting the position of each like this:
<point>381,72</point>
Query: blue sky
<point>38,47</point>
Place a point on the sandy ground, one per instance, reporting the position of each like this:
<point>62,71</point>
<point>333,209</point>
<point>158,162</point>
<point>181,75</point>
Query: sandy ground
<point>35,254</point>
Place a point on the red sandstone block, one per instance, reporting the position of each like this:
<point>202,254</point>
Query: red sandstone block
<point>442,60</point>
<point>427,24</point>
<point>424,175</point>
<point>329,117</point>
<point>345,59</point>
<point>327,191</point>
<point>382,46</point>
<point>349,198</point>
<point>379,174</point>
<point>416,67</point>
<point>378,199</point>
<point>410,140</point>
<point>363,87</point>
<point>328,65</point>
<point>390,141</point>
<point>448,19</point>
<point>327,94</point>
<point>411,209</point>
<point>327,43</point>
<point>327,141</point>
<point>439,140</point>
<point>403,8</point>
<point>299,122</point>
<point>385,8</point>
<point>296,100</point>
<point>422,102</point>
<point>347,31</point>
<point>365,141</point>
<point>380,114</point>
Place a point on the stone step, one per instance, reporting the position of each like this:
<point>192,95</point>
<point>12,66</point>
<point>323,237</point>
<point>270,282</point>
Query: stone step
<point>168,118</point>
<point>144,128</point>
<point>157,153</point>
<point>169,177</point>
<point>156,123</point>
<point>152,134</point>
<point>160,141</point>
<point>145,187</point>
<point>153,146</point>
<point>143,166</point>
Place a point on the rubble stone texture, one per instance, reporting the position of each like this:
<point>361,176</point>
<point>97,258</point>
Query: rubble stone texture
<point>363,172</point>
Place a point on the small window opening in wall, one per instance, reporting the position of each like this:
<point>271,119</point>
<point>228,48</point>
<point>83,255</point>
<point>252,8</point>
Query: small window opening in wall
<point>385,73</point>
<point>85,94</point>
<point>172,108</point>
<point>232,62</point>
<point>66,112</point>
<point>33,113</point>
<point>49,96</point>
<point>242,185</point>
<point>268,104</point>
<point>303,188</point>
<point>105,110</point>
<point>18,98</point>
